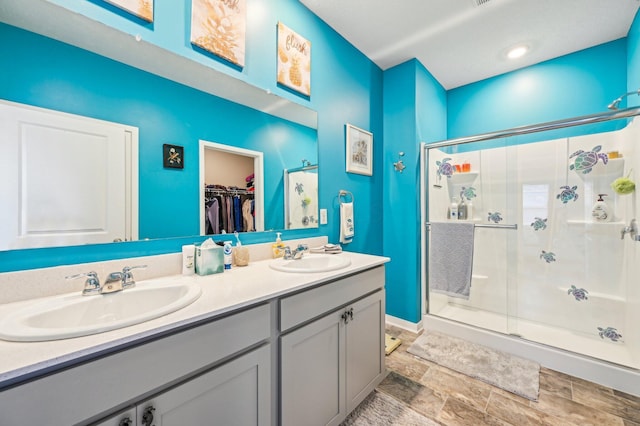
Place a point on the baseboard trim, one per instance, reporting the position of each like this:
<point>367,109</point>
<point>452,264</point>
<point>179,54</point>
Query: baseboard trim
<point>404,324</point>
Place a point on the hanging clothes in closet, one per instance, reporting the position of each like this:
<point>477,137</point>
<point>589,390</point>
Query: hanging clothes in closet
<point>229,209</point>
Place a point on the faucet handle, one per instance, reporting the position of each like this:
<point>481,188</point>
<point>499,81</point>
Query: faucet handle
<point>632,230</point>
<point>287,253</point>
<point>127,279</point>
<point>91,285</point>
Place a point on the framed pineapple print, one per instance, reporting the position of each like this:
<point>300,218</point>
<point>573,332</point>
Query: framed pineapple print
<point>143,9</point>
<point>294,60</point>
<point>359,150</point>
<point>219,27</point>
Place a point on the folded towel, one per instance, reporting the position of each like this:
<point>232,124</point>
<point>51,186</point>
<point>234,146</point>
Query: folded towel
<point>327,248</point>
<point>451,258</point>
<point>346,223</point>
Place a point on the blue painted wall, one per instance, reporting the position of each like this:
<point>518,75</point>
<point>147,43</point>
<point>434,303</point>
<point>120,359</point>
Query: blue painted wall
<point>414,110</point>
<point>577,84</point>
<point>168,112</point>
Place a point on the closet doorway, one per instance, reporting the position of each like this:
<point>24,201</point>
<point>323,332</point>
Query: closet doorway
<point>229,166</point>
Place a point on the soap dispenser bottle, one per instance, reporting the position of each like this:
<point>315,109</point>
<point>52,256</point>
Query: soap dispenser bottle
<point>601,211</point>
<point>462,209</point>
<point>278,247</point>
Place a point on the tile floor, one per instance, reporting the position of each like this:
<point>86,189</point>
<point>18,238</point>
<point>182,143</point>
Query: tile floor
<point>453,399</point>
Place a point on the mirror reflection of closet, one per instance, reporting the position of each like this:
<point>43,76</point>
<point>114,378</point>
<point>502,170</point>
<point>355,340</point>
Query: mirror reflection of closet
<point>231,189</point>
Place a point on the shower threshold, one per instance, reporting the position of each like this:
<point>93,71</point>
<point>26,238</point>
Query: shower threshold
<point>580,343</point>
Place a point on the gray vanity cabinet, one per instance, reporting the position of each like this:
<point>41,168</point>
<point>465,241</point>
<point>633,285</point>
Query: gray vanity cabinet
<point>236,393</point>
<point>118,381</point>
<point>330,363</point>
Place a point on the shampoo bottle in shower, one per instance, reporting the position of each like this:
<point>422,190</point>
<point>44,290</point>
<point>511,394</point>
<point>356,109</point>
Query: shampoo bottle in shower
<point>462,209</point>
<point>601,211</point>
<point>453,209</point>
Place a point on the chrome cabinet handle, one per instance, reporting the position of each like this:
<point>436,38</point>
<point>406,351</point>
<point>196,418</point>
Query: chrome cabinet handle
<point>347,316</point>
<point>126,422</point>
<point>147,416</point>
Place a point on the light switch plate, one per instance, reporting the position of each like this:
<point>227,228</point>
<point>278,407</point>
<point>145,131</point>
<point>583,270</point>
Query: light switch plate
<point>323,216</point>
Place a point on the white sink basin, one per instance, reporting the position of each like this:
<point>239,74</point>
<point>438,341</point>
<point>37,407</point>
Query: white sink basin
<point>312,263</point>
<point>74,315</point>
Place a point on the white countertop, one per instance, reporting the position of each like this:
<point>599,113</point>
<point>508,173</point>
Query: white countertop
<point>221,293</point>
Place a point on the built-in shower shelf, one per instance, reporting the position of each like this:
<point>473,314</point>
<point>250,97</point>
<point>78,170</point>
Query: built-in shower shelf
<point>462,178</point>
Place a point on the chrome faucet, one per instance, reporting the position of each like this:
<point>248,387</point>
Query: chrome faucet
<point>295,254</point>
<point>632,230</point>
<point>116,281</point>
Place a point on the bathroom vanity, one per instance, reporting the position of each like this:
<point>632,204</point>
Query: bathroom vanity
<point>259,346</point>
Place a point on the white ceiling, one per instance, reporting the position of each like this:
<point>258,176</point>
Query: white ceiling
<point>461,42</point>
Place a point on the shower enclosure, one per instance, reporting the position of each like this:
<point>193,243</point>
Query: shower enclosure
<point>546,272</point>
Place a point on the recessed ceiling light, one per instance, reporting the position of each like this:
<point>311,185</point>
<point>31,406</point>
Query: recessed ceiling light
<point>517,52</point>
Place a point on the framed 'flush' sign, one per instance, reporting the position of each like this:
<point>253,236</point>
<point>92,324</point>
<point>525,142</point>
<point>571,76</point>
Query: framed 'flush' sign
<point>294,60</point>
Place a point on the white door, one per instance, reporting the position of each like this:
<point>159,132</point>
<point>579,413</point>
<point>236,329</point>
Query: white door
<point>67,179</point>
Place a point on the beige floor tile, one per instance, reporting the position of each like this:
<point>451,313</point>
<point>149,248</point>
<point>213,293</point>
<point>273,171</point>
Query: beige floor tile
<point>559,385</point>
<point>457,413</point>
<point>551,372</point>
<point>516,413</point>
<point>421,398</point>
<point>574,412</point>
<point>632,398</point>
<point>517,398</point>
<point>469,391</point>
<point>582,382</point>
<point>406,364</point>
<point>604,399</point>
<point>455,399</point>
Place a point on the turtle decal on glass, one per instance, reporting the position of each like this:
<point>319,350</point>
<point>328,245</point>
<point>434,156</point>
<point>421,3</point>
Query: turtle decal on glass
<point>579,293</point>
<point>539,224</point>
<point>444,168</point>
<point>610,333</point>
<point>568,193</point>
<point>585,160</point>
<point>468,193</point>
<point>548,256</point>
<point>494,217</point>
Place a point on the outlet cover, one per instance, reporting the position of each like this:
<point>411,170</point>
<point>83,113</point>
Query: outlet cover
<point>323,216</point>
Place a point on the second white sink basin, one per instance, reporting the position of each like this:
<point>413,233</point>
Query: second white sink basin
<point>312,263</point>
<point>74,315</point>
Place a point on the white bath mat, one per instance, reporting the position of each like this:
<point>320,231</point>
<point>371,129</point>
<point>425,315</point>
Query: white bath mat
<point>511,373</point>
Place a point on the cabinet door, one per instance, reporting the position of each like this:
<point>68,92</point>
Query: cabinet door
<point>236,393</point>
<point>312,364</point>
<point>365,366</point>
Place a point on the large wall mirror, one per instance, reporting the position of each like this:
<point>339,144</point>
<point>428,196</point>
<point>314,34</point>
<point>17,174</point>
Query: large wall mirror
<point>163,111</point>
